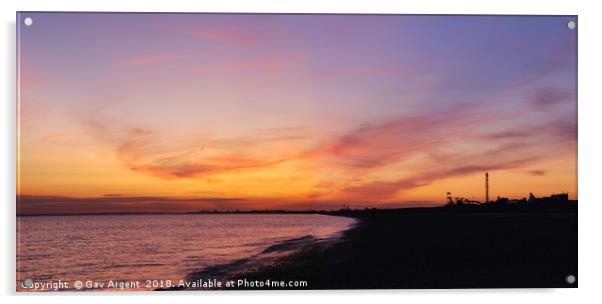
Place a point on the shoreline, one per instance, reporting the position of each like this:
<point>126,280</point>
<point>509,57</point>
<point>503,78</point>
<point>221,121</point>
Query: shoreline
<point>426,249</point>
<point>278,254</point>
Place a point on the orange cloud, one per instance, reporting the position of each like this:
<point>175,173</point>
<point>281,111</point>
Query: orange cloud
<point>143,151</point>
<point>436,136</point>
<point>202,167</point>
<point>383,190</point>
<point>537,172</point>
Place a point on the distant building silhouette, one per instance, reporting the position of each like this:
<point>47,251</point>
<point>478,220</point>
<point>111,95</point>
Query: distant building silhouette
<point>503,201</point>
<point>554,199</point>
<point>532,199</point>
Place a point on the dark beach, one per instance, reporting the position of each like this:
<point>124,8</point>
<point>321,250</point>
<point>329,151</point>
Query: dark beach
<point>426,248</point>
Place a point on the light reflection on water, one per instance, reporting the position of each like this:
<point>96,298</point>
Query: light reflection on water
<point>143,247</point>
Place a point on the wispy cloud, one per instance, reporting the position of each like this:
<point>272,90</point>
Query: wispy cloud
<point>149,59</point>
<point>272,61</point>
<point>437,135</point>
<point>544,98</point>
<point>382,143</point>
<point>220,33</point>
<point>218,62</point>
<point>537,172</point>
<point>145,151</point>
<point>191,102</point>
<point>160,57</point>
<point>384,190</point>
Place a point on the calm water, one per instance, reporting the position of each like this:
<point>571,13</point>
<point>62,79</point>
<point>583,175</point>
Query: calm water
<point>142,247</point>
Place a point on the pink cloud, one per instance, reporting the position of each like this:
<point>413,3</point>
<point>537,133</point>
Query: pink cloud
<point>217,61</point>
<point>384,190</point>
<point>216,33</point>
<point>272,61</point>
<point>544,98</point>
<point>377,145</point>
<point>434,134</point>
<point>155,58</point>
<point>376,70</point>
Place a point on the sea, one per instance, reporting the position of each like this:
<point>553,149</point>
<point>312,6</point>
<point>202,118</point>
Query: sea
<point>156,248</point>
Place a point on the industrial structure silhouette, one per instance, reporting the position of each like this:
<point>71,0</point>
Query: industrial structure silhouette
<point>562,198</point>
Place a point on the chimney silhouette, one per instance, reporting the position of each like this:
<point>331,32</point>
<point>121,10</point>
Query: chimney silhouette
<point>486,187</point>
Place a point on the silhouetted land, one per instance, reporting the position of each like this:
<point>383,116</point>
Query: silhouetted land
<point>469,247</point>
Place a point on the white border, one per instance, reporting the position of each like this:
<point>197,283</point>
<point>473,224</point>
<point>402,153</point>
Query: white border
<point>590,199</point>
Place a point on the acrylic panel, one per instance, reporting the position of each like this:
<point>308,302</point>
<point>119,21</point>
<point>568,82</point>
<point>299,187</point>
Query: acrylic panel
<point>193,151</point>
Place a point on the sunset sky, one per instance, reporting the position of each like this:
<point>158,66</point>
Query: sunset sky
<point>181,112</point>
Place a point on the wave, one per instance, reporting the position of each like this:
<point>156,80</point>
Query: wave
<point>270,256</point>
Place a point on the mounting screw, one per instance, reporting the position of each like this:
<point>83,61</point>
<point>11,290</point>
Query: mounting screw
<point>570,279</point>
<point>27,283</point>
<point>571,25</point>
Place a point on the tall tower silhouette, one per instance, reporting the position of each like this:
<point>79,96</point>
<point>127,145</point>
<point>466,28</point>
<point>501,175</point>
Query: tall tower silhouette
<point>486,187</point>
